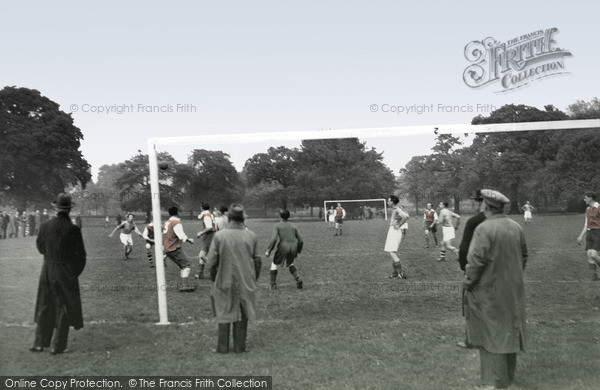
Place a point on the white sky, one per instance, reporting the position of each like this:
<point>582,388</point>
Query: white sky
<point>277,65</point>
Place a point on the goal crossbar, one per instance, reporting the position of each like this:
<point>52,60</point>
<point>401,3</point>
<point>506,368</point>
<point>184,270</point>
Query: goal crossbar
<point>372,132</point>
<point>342,201</point>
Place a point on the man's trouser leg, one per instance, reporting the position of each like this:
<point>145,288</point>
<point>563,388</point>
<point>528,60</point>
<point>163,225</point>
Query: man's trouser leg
<point>61,332</point>
<point>223,338</point>
<point>240,330</point>
<point>43,335</point>
<point>497,369</point>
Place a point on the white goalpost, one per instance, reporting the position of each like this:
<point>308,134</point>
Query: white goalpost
<point>342,201</point>
<point>397,131</point>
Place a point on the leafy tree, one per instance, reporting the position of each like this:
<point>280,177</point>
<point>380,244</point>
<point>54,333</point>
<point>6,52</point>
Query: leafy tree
<point>39,151</point>
<point>133,183</point>
<point>103,196</point>
<point>262,195</point>
<point>448,165</point>
<point>573,171</point>
<point>209,176</point>
<point>516,158</point>
<point>585,110</point>
<point>341,169</point>
<point>278,169</point>
<point>416,180</point>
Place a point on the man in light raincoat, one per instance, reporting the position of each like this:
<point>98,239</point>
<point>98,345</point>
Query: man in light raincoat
<point>495,298</point>
<point>234,265</point>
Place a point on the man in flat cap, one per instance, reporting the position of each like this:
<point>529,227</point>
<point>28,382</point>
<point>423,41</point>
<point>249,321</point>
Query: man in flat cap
<point>58,304</point>
<point>495,298</point>
<point>234,265</point>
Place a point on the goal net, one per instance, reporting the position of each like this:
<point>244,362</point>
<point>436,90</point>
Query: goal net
<point>357,209</point>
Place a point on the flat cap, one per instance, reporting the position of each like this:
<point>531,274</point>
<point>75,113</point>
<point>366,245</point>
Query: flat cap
<point>236,210</point>
<point>494,198</point>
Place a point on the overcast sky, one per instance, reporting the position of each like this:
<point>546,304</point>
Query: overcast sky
<point>268,66</point>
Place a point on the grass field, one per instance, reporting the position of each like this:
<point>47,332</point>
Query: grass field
<point>350,328</point>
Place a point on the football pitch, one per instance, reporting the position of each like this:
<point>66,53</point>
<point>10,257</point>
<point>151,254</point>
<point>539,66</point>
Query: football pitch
<point>349,328</point>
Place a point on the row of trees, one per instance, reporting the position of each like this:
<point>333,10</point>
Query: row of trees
<point>40,156</point>
<point>550,168</point>
<point>281,177</point>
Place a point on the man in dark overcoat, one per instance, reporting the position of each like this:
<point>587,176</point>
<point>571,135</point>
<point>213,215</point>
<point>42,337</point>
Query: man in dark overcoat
<point>463,250</point>
<point>58,303</point>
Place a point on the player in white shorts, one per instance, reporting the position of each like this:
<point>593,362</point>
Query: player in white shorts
<point>331,217</point>
<point>128,226</point>
<point>394,237</point>
<point>448,228</point>
<point>527,208</point>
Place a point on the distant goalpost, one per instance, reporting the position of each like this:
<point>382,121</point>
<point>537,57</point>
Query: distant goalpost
<point>342,201</point>
<point>377,132</point>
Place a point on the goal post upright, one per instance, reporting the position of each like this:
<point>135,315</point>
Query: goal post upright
<point>373,132</point>
<point>161,281</point>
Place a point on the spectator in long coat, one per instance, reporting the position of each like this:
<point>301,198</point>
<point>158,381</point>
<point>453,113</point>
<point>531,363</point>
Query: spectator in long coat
<point>463,250</point>
<point>4,218</point>
<point>495,298</point>
<point>31,223</point>
<point>58,303</point>
<point>10,227</point>
<point>234,265</point>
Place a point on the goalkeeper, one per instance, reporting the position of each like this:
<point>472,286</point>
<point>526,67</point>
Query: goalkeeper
<point>290,245</point>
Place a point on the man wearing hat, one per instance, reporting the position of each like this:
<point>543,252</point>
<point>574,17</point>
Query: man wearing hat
<point>58,304</point>
<point>494,302</point>
<point>234,265</point>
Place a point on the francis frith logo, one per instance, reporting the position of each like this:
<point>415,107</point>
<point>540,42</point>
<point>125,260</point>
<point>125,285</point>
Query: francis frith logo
<point>516,62</point>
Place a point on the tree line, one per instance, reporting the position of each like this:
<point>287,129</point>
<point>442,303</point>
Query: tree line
<point>40,156</point>
<point>552,169</point>
<point>280,177</point>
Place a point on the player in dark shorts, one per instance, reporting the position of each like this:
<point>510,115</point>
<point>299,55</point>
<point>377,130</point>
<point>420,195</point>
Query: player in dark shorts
<point>591,229</point>
<point>430,218</point>
<point>289,246</point>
